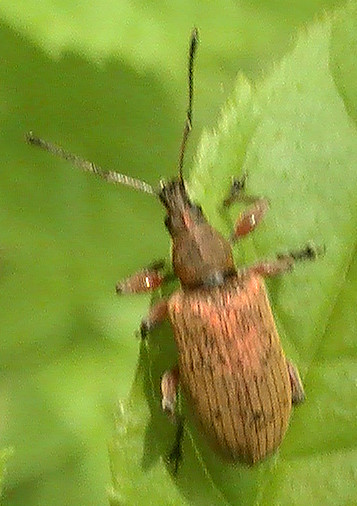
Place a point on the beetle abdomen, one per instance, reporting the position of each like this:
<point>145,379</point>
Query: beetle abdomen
<point>232,366</point>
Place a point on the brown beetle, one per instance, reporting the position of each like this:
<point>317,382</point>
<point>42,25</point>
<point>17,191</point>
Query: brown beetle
<point>230,361</point>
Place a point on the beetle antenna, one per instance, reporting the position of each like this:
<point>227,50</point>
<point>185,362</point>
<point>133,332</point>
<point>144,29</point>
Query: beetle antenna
<point>86,166</point>
<point>188,122</point>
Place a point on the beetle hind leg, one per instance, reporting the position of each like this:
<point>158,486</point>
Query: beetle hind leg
<point>297,389</point>
<point>175,455</point>
<point>169,388</point>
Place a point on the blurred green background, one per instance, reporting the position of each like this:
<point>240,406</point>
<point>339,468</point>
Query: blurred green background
<point>107,80</point>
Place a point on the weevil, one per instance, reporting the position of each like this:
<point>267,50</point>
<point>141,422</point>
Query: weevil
<point>231,365</point>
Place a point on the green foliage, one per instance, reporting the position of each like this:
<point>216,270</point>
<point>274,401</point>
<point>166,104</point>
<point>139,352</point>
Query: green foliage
<point>107,80</point>
<point>5,455</point>
<point>295,138</point>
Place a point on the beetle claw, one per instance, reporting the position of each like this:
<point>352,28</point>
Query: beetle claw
<point>174,458</point>
<point>144,330</point>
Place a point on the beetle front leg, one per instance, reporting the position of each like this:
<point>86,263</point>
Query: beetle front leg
<point>297,389</point>
<point>284,262</point>
<point>147,280</point>
<point>251,217</point>
<point>156,316</point>
<point>237,192</point>
<point>169,388</point>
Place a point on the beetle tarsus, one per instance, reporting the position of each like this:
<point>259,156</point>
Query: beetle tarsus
<point>309,252</point>
<point>175,456</point>
<point>236,190</point>
<point>144,329</point>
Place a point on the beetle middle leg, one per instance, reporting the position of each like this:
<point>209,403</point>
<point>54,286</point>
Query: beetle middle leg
<point>169,388</point>
<point>148,279</point>
<point>297,389</point>
<point>284,262</point>
<point>157,315</point>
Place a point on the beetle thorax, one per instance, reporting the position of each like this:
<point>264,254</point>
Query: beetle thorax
<point>200,255</point>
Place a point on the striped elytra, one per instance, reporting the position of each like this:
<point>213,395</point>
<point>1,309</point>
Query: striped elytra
<point>232,367</point>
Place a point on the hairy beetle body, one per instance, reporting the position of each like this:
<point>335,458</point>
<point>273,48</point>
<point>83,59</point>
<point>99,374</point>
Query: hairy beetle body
<point>232,366</point>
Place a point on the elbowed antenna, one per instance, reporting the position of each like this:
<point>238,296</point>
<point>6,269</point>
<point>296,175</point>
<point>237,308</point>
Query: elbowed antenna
<point>86,166</point>
<point>188,123</point>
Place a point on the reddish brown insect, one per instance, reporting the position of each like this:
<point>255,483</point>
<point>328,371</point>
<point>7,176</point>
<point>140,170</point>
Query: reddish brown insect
<point>146,280</point>
<point>230,361</point>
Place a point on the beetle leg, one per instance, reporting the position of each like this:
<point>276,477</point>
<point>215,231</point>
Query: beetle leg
<point>146,280</point>
<point>237,192</point>
<point>156,315</point>
<point>250,218</point>
<point>297,389</point>
<point>284,262</point>
<point>273,267</point>
<point>175,455</point>
<point>169,388</point>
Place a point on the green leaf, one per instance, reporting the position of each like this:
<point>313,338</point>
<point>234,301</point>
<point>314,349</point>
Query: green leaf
<point>136,30</point>
<point>295,136</point>
<point>106,80</point>
<point>5,456</point>
<point>247,35</point>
